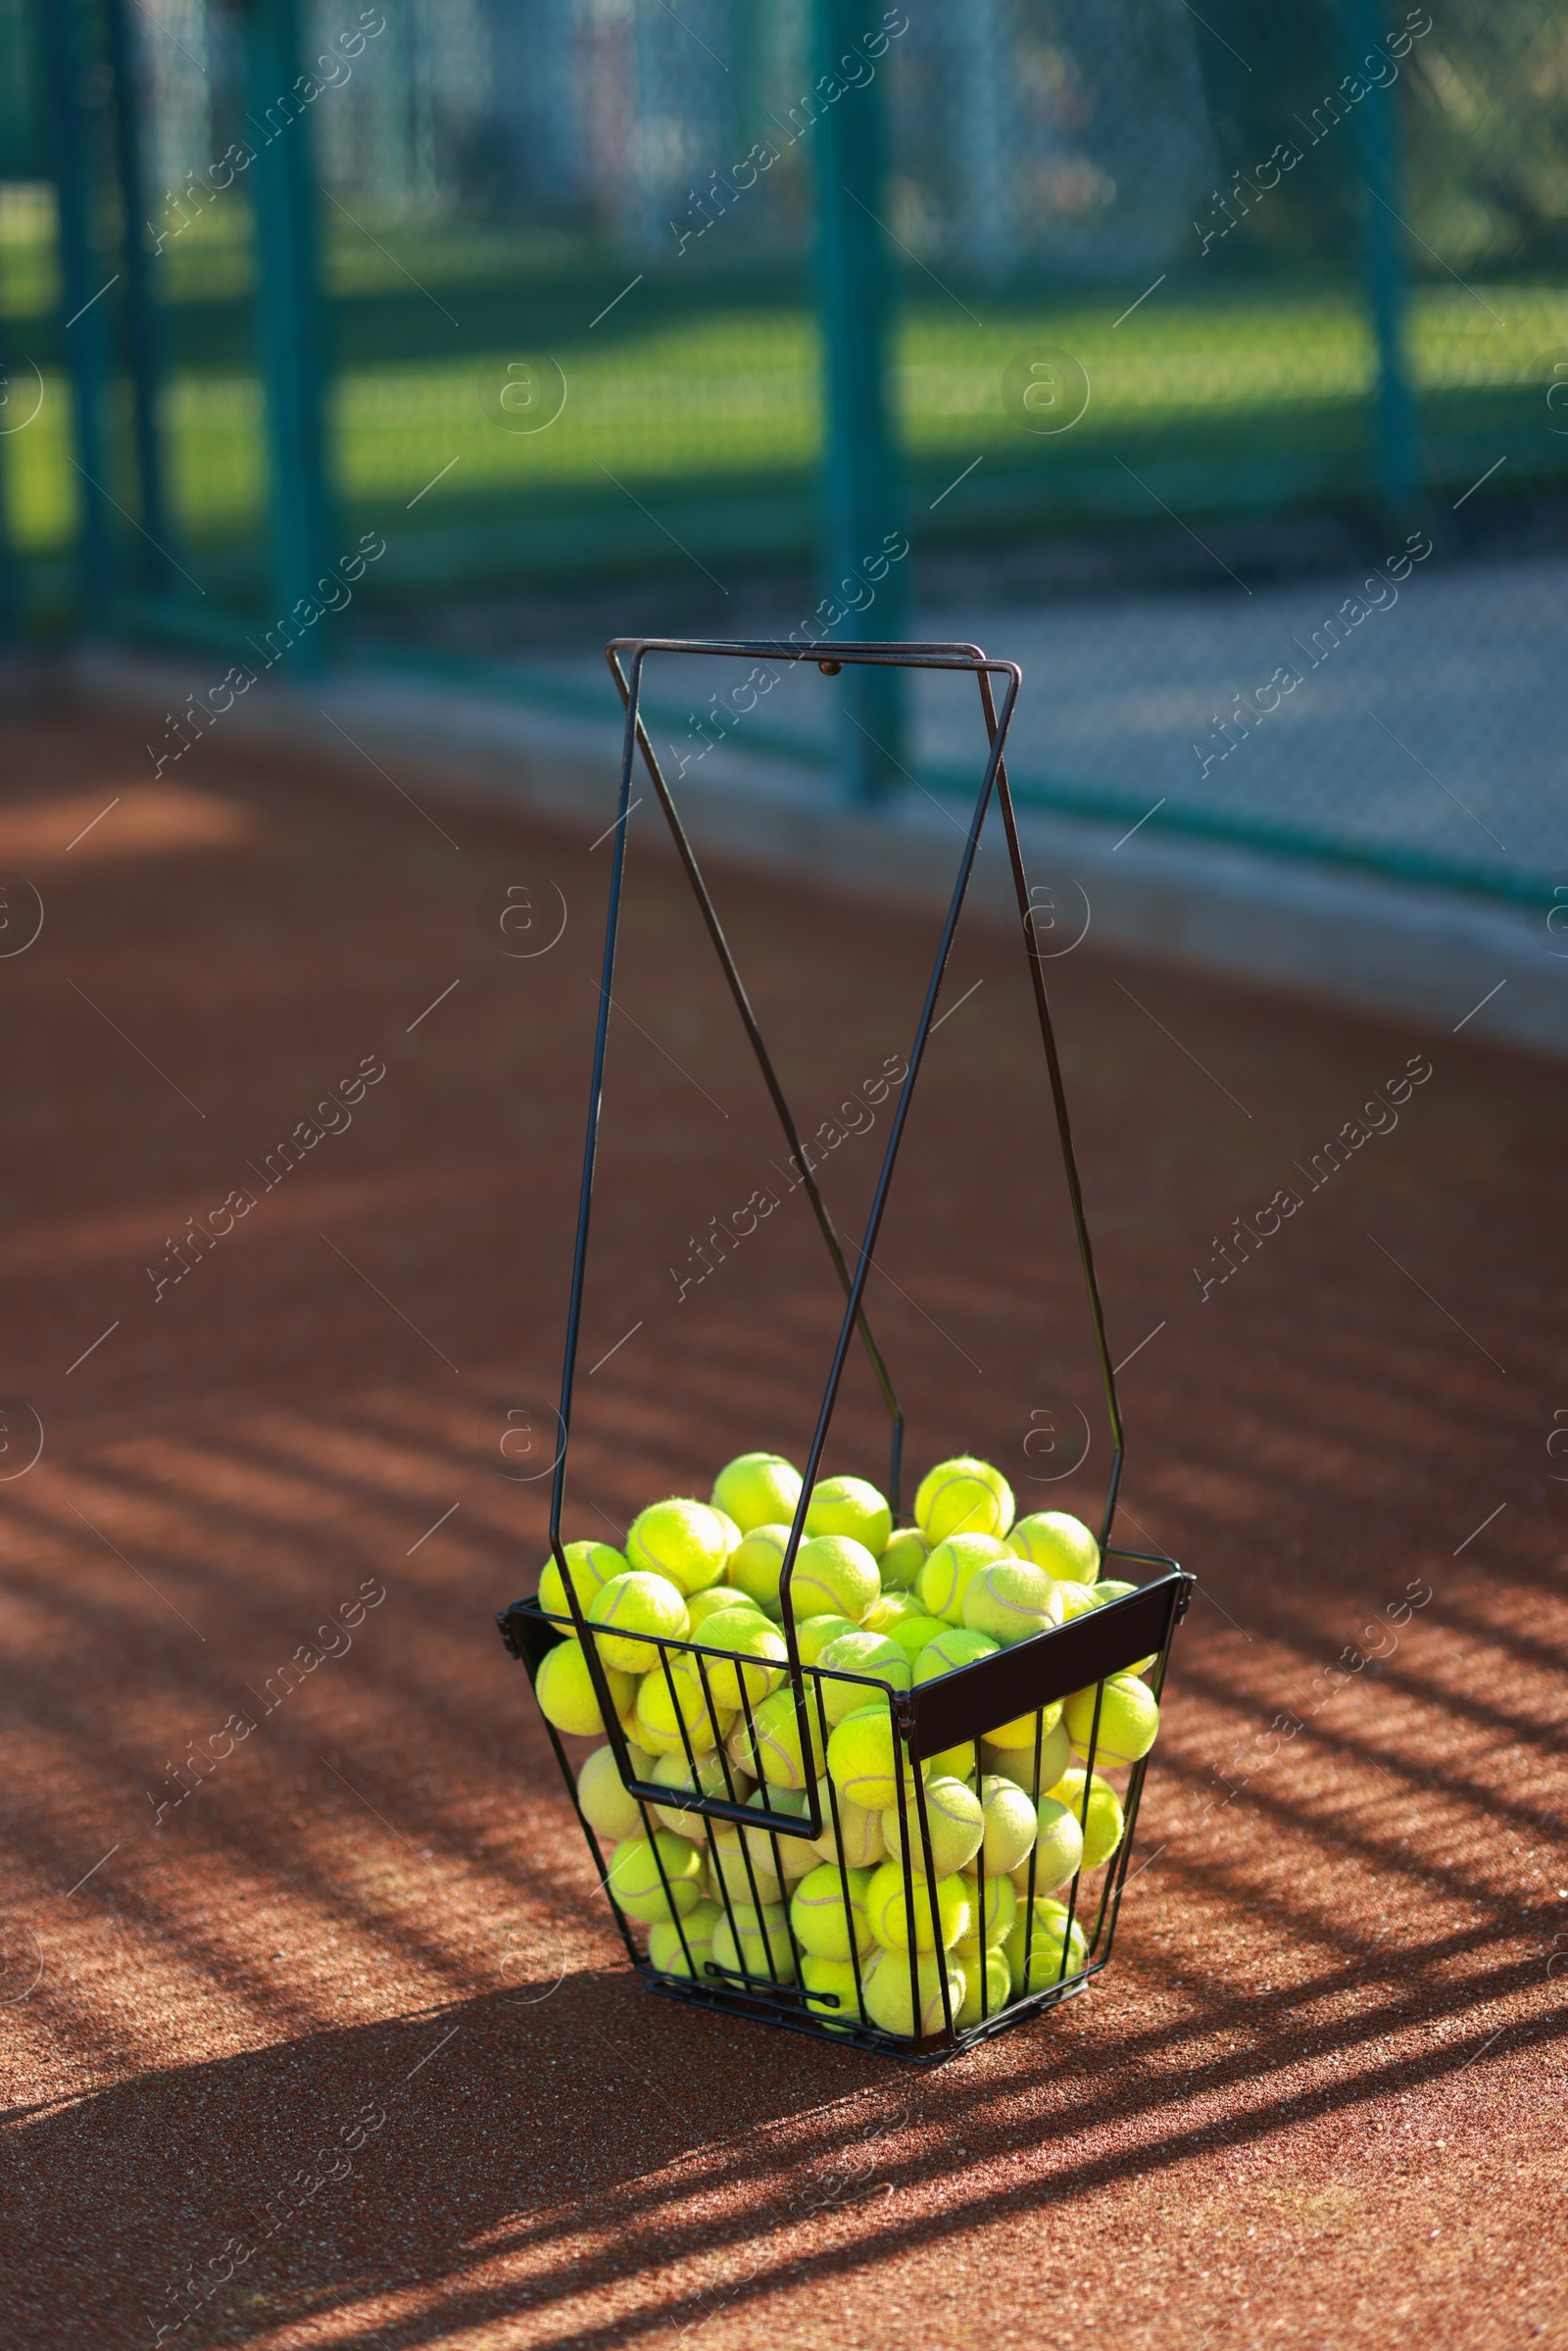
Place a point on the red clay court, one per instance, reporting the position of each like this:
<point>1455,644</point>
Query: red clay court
<point>351,2018</point>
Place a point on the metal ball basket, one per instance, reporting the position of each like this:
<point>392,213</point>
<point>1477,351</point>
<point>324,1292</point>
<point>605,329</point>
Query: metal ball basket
<point>1052,1951</point>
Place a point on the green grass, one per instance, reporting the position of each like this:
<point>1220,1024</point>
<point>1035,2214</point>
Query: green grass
<point>731,397</point>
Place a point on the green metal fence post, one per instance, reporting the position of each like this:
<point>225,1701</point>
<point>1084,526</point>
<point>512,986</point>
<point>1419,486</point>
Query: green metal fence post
<point>861,473</point>
<point>76,126</point>
<point>1384,257</point>
<point>141,316</point>
<point>290,317</point>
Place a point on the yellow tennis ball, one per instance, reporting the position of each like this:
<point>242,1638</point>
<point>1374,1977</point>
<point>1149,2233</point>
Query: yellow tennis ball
<point>824,1924</point>
<point>743,1632</point>
<point>834,1576</point>
<point>849,1831</point>
<point>853,1507</point>
<point>685,1541</point>
<point>1020,1732</point>
<point>629,1613</point>
<point>997,1899</point>
<point>955,1648</point>
<point>783,1856</point>
<point>1013,1600</point>
<point>602,1799</point>
<point>989,1968</point>
<point>1018,1762</point>
<point>753,1567</point>
<point>943,1908</point>
<point>858,1653</point>
<point>590,1564</point>
<point>1042,1949</point>
<point>711,1778</point>
<point>964,1496</point>
<point>1059,1850</point>
<point>1103,1821</point>
<point>887,1611</point>
<point>737,1878</point>
<point>652,1878</point>
<point>814,1634</point>
<point>955,1823</point>
<point>770,1746</point>
<point>865,1758</point>
<point>1059,1544</point>
<point>1128,1723</point>
<point>900,1562</point>
<point>665,1702</point>
<point>912,1632</point>
<point>755,1942</point>
<point>757,1489</point>
<point>565,1692</point>
<point>906,1999</point>
<point>720,1600</point>
<point>684,1947</point>
<point>945,1577</point>
<point>831,1989</point>
<point>1010,1824</point>
<point>952,1763</point>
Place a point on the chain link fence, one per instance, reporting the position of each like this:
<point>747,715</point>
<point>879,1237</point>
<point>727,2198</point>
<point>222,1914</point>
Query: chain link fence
<point>1285,292</point>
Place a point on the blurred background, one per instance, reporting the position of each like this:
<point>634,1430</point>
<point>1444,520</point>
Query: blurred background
<point>1214,366</point>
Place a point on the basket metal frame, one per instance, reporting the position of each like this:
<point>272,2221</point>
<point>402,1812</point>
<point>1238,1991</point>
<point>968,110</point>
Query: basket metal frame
<point>955,1708</point>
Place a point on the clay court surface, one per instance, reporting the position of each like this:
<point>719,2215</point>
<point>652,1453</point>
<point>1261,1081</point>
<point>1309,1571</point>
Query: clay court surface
<point>1319,2096</point>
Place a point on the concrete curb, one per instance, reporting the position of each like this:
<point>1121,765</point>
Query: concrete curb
<point>1478,965</point>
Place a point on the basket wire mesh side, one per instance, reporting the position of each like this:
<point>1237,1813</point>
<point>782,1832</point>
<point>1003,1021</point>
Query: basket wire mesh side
<point>956,1708</point>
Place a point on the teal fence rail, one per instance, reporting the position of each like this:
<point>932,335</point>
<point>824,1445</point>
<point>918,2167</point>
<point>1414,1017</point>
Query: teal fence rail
<point>522,292</point>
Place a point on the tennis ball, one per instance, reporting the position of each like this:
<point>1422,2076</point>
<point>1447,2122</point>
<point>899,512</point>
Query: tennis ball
<point>814,1634</point>
<point>1042,1947</point>
<point>1020,1732</point>
<point>782,1856</point>
<point>665,1702</point>
<point>955,1823</point>
<point>711,1778</point>
<point>907,2000</point>
<point>1010,1824</point>
<point>858,1653</point>
<point>834,1576</point>
<point>954,1648</point>
<point>682,1540</point>
<point>913,1632</point>
<point>865,1758</point>
<point>888,1609</point>
<point>830,1985</point>
<point>964,1496</point>
<point>850,1506</point>
<point>684,1947</point>
<point>1059,1544</point>
<point>1103,1821</point>
<point>631,1610</point>
<point>1013,1600</point>
<point>738,1878</point>
<point>602,1799</point>
<point>565,1692</point>
<point>901,1560</point>
<point>720,1600</point>
<point>952,1763</point>
<point>757,1489</point>
<point>992,1971</point>
<point>945,1574</point>
<point>1058,1851</point>
<point>857,1837</point>
<point>654,1876</point>
<point>1019,1763</point>
<point>753,1567</point>
<point>1102,1594</point>
<point>823,1923</point>
<point>744,1633</point>
<point>770,1746</point>
<point>943,1908</point>
<point>589,1564</point>
<point>1129,1719</point>
<point>1000,1902</point>
<point>755,1942</point>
